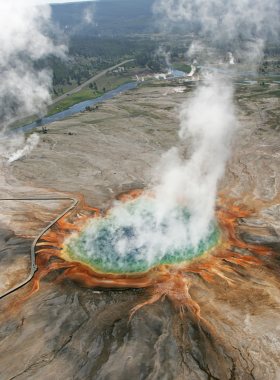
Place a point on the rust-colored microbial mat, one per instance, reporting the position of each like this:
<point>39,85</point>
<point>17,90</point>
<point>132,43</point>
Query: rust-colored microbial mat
<point>171,280</point>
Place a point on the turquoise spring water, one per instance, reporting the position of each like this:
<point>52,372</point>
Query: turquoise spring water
<point>137,235</point>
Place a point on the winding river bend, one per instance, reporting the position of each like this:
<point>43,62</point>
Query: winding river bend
<point>79,107</point>
<point>108,95</point>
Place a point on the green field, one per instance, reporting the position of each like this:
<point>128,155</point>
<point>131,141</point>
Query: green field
<point>183,67</point>
<point>109,82</point>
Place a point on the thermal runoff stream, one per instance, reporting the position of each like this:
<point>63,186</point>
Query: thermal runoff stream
<point>136,235</point>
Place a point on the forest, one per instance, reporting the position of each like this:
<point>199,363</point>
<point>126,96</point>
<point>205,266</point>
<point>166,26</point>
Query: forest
<point>105,18</point>
<point>89,55</point>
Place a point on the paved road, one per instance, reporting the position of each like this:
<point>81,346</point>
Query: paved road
<point>32,253</point>
<point>77,89</point>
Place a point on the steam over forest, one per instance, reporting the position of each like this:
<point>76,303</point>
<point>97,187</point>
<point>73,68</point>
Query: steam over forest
<point>105,33</point>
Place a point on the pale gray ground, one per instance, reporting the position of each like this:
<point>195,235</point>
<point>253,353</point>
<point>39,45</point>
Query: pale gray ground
<point>66,332</point>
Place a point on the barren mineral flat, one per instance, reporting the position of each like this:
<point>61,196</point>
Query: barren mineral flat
<point>64,331</point>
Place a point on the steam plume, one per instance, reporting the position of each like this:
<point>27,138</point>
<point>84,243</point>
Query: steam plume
<point>224,19</point>
<point>162,52</point>
<point>23,89</point>
<point>14,148</point>
<point>23,41</point>
<point>89,13</point>
<point>209,118</point>
<point>31,142</point>
<point>245,24</point>
<point>231,58</point>
<point>193,69</point>
<point>209,121</point>
<point>147,234</point>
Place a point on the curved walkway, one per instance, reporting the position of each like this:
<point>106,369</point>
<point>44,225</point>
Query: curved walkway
<point>32,253</point>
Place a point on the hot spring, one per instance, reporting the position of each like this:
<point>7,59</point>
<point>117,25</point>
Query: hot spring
<point>136,235</point>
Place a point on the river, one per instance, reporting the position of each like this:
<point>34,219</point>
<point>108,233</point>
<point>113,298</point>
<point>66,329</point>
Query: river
<point>79,107</point>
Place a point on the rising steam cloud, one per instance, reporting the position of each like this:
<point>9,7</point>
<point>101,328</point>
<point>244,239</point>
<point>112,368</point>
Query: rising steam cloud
<point>23,40</point>
<point>16,148</point>
<point>23,89</point>
<point>207,125</point>
<point>208,119</point>
<point>137,236</point>
<point>223,19</point>
<point>31,142</point>
<point>231,58</point>
<point>245,24</point>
